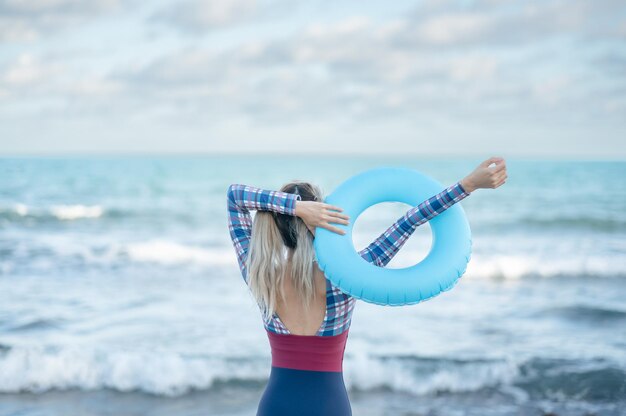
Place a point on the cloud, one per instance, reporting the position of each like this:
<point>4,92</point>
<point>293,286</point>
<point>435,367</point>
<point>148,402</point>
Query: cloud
<point>413,69</point>
<point>202,15</point>
<point>453,29</point>
<point>442,69</point>
<point>25,71</point>
<point>28,20</point>
<point>29,75</point>
<point>194,17</point>
<point>356,68</point>
<point>489,22</point>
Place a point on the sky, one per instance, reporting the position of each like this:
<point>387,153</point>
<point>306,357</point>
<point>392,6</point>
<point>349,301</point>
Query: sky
<point>436,77</point>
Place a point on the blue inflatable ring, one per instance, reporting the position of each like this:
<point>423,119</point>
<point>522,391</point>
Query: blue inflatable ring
<point>439,271</point>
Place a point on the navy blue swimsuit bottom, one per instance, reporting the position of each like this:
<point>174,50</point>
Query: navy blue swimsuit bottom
<point>306,378</point>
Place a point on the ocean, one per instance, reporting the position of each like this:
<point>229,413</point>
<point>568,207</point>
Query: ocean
<point>120,292</point>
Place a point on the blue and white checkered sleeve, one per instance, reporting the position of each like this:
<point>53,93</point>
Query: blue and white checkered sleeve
<point>241,200</point>
<point>386,246</point>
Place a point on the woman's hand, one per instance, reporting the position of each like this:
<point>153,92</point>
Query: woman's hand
<point>319,214</point>
<point>486,177</point>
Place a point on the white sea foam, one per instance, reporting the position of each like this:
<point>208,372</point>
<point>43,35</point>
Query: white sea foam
<point>72,212</point>
<point>21,210</point>
<point>517,266</point>
<point>169,252</point>
<point>36,369</point>
<point>102,251</point>
<point>366,373</point>
<point>525,262</point>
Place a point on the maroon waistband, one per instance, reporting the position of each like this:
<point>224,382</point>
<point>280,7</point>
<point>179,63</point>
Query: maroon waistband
<point>308,352</point>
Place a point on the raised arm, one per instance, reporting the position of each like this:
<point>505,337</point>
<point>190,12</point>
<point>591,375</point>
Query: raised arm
<point>387,245</point>
<point>241,200</point>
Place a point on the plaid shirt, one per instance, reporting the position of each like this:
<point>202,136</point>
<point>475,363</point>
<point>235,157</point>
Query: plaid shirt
<point>339,305</point>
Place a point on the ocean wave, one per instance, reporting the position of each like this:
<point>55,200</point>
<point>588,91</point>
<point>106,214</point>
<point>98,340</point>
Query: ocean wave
<point>535,378</point>
<point>559,379</point>
<point>588,314</point>
<point>421,376</point>
<point>22,212</point>
<point>73,212</point>
<point>573,223</point>
<point>519,266</point>
<point>551,223</point>
<point>67,251</point>
<point>40,369</point>
<point>168,252</point>
<point>34,325</point>
<point>62,251</point>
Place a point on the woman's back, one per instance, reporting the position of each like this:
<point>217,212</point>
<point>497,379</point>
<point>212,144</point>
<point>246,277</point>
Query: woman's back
<point>295,316</point>
<point>306,376</point>
<point>329,314</point>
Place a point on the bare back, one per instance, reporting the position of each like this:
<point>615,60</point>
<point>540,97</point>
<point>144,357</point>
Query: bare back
<point>297,319</point>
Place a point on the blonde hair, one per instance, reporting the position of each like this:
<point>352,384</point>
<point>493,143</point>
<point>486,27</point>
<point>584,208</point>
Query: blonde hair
<point>274,237</point>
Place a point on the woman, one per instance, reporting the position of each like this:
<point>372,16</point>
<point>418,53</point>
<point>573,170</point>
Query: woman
<point>306,317</point>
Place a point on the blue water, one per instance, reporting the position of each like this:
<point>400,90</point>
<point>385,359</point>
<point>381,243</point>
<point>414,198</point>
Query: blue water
<point>118,274</point>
